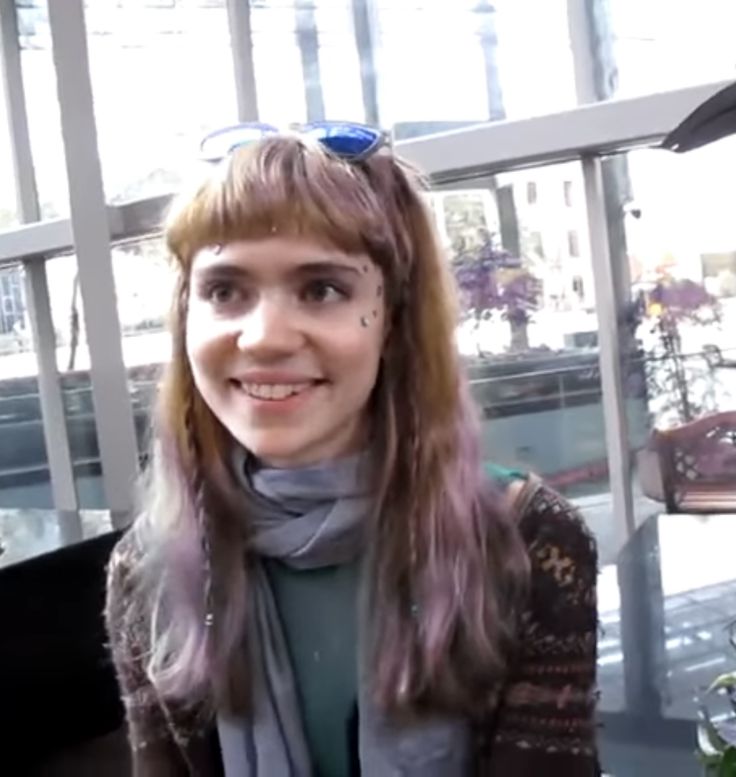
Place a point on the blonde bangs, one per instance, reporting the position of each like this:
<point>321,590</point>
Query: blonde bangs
<point>285,186</point>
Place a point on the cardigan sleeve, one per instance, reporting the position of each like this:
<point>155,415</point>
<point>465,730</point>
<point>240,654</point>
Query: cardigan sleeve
<point>154,752</point>
<point>545,722</point>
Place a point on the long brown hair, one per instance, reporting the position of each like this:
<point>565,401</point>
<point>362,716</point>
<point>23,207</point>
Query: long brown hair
<point>448,568</point>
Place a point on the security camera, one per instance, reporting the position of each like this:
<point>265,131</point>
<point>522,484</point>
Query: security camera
<point>633,210</point>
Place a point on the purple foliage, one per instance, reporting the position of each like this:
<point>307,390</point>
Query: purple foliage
<point>682,299</point>
<point>481,292</point>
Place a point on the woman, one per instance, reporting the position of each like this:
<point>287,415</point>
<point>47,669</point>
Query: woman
<point>322,581</point>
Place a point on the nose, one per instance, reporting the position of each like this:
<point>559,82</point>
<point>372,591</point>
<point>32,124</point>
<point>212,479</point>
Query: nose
<point>270,330</point>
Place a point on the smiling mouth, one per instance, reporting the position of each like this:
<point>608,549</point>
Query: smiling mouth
<point>274,392</point>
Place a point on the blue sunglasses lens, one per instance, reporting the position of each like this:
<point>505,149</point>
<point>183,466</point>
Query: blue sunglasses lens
<point>345,140</point>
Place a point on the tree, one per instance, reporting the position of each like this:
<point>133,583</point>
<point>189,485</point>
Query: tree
<point>680,386</point>
<point>491,280</point>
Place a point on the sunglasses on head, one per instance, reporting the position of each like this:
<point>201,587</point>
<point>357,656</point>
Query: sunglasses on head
<point>346,140</point>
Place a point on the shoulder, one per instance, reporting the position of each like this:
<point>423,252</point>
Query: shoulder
<point>563,559</point>
<point>123,609</point>
<point>547,521</point>
<point>123,560</point>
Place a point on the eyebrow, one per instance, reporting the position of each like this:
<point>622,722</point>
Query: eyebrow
<point>225,269</point>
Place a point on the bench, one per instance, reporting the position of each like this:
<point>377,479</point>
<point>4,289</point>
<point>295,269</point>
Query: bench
<point>698,465</point>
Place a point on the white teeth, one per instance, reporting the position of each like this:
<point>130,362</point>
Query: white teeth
<point>273,390</point>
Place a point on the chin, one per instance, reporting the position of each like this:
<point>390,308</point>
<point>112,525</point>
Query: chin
<point>277,453</point>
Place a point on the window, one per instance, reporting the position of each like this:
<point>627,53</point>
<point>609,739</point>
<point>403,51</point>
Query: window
<point>536,244</point>
<point>530,349</point>
<point>682,259</point>
<point>647,39</point>
<point>567,189</point>
<point>8,214</point>
<point>162,76</point>
<point>469,62</point>
<point>578,286</point>
<point>24,474</point>
<point>573,243</point>
<point>531,192</point>
<point>12,304</point>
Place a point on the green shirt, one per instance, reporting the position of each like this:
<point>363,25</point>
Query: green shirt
<point>318,610</point>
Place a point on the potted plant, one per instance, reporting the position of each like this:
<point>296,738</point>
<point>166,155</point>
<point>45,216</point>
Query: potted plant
<point>717,736</point>
<point>677,384</point>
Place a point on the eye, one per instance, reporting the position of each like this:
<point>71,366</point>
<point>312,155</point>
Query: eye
<point>324,291</point>
<point>222,293</point>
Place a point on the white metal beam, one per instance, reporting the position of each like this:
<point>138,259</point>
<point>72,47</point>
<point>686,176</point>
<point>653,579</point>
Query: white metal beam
<point>52,237</point>
<point>89,218</point>
<point>450,157</point>
<point>31,241</point>
<point>241,43</point>
<point>607,307</point>
<point>599,128</point>
<point>58,453</point>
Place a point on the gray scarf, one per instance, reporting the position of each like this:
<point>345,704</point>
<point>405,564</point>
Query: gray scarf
<point>309,518</point>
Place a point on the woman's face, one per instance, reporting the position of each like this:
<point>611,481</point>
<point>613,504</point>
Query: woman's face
<point>284,337</point>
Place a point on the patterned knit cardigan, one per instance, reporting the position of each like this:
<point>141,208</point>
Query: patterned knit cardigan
<point>543,724</point>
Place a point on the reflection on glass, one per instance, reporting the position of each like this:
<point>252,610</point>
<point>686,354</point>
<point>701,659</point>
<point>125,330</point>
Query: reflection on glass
<point>42,105</point>
<point>142,309</point>
<point>8,209</point>
<point>647,40</point>
<point>665,623</point>
<point>162,76</point>
<point>24,474</point>
<point>307,63</point>
<point>679,250</point>
<point>486,48</point>
<point>529,330</point>
<point>73,364</point>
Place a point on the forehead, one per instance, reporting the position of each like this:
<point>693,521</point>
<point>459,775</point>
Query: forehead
<point>276,254</point>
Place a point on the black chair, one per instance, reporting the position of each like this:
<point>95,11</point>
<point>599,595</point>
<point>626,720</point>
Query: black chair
<point>57,685</point>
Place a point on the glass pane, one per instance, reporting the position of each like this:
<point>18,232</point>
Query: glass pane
<point>349,60</point>
<point>658,45</point>
<point>470,62</point>
<point>278,64</point>
<point>530,330</point>
<point>72,361</point>
<point>162,76</point>
<point>681,288</point>
<point>340,55</point>
<point>142,308</point>
<point>8,208</point>
<point>42,105</point>
<point>24,474</point>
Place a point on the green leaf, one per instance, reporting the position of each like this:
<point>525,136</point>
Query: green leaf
<point>727,731</point>
<point>726,680</point>
<point>728,764</point>
<point>710,742</point>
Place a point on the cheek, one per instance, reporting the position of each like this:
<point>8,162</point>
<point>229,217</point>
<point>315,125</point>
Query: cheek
<point>359,349</point>
<point>206,347</point>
